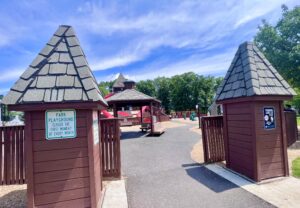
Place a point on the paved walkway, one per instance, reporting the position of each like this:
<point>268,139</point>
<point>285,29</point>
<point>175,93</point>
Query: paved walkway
<point>282,192</point>
<point>159,172</point>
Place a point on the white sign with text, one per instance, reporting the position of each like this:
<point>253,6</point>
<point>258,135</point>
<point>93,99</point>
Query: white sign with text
<point>60,124</point>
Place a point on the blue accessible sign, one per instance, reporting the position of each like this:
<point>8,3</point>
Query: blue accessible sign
<point>60,124</point>
<point>269,118</point>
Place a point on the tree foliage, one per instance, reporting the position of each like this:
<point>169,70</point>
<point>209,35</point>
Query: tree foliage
<point>147,87</point>
<point>105,87</point>
<point>281,44</point>
<point>181,92</point>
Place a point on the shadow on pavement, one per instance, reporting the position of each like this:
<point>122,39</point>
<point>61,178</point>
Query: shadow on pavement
<point>133,134</point>
<point>206,177</point>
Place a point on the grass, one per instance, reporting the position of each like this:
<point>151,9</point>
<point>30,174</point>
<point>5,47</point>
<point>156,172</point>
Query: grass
<point>298,120</point>
<point>296,167</point>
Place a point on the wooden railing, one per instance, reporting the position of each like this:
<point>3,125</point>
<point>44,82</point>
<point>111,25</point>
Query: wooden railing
<point>110,147</point>
<point>291,127</point>
<point>12,160</point>
<point>212,138</point>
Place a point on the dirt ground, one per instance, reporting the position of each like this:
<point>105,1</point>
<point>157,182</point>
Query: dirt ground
<point>13,196</point>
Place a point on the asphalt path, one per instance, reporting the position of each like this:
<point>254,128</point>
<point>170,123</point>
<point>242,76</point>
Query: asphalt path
<point>160,173</point>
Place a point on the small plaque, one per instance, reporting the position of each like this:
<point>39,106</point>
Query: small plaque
<point>269,118</point>
<point>60,124</point>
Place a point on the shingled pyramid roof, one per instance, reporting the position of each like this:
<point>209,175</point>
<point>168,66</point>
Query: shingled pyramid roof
<point>60,73</point>
<point>130,95</point>
<point>250,74</point>
<point>119,81</point>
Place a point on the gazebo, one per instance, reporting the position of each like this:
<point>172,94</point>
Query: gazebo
<point>134,98</point>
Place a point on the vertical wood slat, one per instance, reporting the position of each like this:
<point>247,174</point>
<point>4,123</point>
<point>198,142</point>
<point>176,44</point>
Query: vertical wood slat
<point>17,155</point>
<point>22,157</point>
<point>13,156</point>
<point>291,127</point>
<point>212,139</point>
<point>110,147</point>
<point>12,166</point>
<point>110,144</point>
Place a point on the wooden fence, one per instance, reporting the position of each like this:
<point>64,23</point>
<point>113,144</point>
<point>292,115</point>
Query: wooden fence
<point>291,127</point>
<point>212,135</point>
<point>212,138</point>
<point>110,144</point>
<point>12,160</point>
<point>181,114</point>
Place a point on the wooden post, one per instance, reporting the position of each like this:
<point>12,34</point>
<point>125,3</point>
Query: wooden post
<point>29,160</point>
<point>284,139</point>
<point>141,110</point>
<point>151,116</point>
<point>225,136</point>
<point>115,110</point>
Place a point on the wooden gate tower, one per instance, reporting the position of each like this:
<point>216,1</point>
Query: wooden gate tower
<point>61,100</point>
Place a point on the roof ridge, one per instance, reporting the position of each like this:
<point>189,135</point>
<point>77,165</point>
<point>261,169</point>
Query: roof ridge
<point>59,73</point>
<point>254,75</point>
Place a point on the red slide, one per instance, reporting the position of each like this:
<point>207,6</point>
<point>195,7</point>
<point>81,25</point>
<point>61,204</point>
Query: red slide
<point>106,114</point>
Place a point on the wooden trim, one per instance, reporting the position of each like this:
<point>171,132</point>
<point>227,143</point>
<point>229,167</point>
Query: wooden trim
<point>256,98</point>
<point>256,161</point>
<point>109,119</point>
<point>46,106</point>
<point>225,135</point>
<point>29,160</point>
<point>90,141</point>
<point>284,139</point>
<point>132,102</point>
<point>204,142</point>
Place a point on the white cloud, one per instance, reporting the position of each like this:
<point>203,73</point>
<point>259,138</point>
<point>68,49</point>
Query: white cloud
<point>203,65</point>
<point>196,24</point>
<point>255,9</point>
<point>3,91</point>
<point>11,75</point>
<point>113,62</point>
<point>211,65</point>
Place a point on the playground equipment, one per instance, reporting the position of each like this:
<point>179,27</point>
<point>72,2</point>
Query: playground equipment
<point>192,116</point>
<point>106,114</point>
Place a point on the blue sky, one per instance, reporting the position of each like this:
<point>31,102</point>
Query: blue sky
<point>141,39</point>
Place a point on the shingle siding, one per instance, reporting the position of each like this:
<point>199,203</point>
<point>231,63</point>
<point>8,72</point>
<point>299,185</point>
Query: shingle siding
<point>130,95</point>
<point>249,74</point>
<point>59,73</point>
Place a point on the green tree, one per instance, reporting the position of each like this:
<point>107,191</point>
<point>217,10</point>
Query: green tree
<point>105,87</point>
<point>281,44</point>
<point>296,100</point>
<point>147,87</point>
<point>162,85</point>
